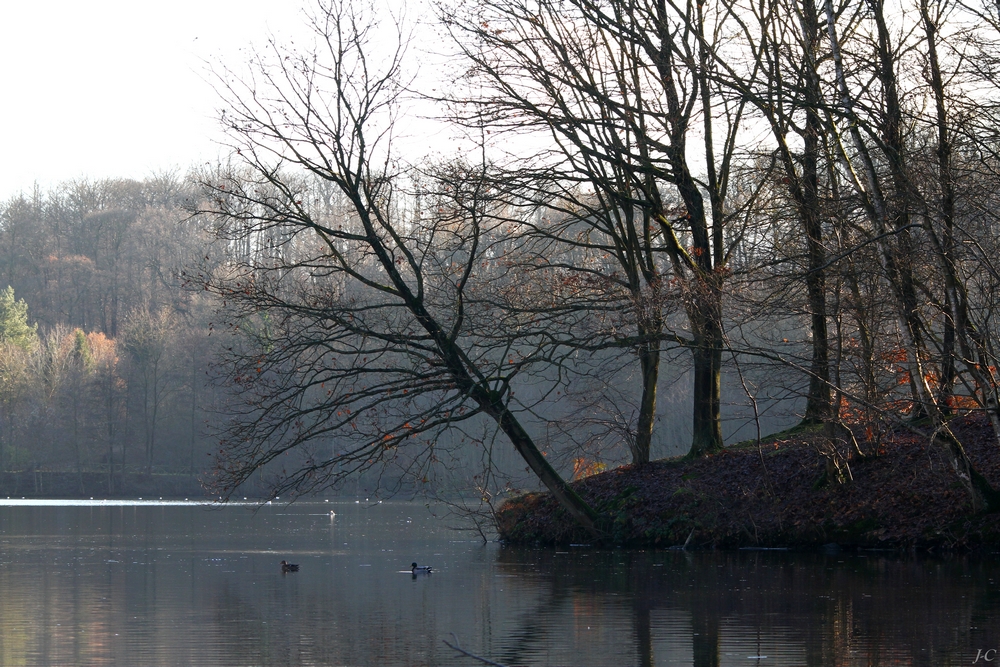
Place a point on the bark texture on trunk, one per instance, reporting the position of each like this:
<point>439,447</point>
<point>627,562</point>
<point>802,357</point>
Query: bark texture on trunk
<point>706,436</point>
<point>649,362</point>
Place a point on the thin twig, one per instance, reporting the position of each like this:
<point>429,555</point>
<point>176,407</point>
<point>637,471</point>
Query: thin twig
<point>457,647</point>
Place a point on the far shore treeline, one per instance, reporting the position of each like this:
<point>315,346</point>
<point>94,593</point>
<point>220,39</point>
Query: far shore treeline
<point>105,354</point>
<point>657,230</point>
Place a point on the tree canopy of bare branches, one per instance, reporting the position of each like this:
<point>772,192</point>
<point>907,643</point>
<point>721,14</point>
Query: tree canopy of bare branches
<point>367,328</point>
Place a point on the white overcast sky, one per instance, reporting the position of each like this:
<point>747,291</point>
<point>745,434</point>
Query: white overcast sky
<point>117,88</point>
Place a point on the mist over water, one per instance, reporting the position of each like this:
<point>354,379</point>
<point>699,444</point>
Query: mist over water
<point>161,583</point>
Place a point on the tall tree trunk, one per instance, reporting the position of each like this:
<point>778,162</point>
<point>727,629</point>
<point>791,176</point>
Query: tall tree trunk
<point>76,440</point>
<point>958,327</point>
<point>649,363</point>
<point>697,268</point>
<point>894,215</point>
<point>706,436</point>
<point>6,439</point>
<point>491,402</point>
<point>109,407</point>
<point>818,400</point>
<point>194,410</point>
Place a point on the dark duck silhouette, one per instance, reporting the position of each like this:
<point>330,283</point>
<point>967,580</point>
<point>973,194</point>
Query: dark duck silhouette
<point>289,567</point>
<point>420,569</point>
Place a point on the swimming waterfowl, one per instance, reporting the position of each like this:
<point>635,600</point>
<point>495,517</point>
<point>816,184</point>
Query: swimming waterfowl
<point>289,567</point>
<point>420,569</point>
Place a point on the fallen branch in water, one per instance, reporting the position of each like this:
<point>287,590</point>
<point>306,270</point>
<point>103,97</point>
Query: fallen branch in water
<point>458,647</point>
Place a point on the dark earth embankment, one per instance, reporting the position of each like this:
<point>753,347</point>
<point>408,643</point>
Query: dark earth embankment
<point>906,496</point>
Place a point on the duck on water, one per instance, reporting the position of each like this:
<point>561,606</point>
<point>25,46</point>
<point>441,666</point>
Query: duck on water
<point>289,567</point>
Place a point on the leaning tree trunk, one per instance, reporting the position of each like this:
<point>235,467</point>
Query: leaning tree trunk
<point>491,402</point>
<point>581,512</point>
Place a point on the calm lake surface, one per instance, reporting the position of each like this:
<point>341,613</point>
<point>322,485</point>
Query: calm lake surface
<point>184,584</point>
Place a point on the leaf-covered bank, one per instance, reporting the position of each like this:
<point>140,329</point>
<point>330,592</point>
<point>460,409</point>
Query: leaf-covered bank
<point>777,495</point>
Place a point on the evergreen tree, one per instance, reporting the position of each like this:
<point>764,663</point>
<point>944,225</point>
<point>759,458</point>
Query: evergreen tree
<point>14,327</point>
<point>81,350</point>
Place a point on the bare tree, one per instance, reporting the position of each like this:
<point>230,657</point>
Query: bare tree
<point>109,399</point>
<point>623,90</point>
<point>360,335</point>
<point>147,338</point>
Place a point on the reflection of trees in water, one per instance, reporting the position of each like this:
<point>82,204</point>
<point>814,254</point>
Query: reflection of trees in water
<point>329,617</point>
<point>532,629</point>
<point>243,622</point>
<point>572,586</point>
<point>281,625</point>
<point>805,608</point>
<point>102,572</point>
<point>613,574</point>
<point>643,633</point>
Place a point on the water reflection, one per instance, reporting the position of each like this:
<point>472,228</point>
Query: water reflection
<point>726,608</point>
<point>183,584</point>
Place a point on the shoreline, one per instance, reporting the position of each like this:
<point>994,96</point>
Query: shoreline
<point>44,484</point>
<point>776,495</point>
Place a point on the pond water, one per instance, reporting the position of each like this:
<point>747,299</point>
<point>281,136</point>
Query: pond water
<point>185,584</point>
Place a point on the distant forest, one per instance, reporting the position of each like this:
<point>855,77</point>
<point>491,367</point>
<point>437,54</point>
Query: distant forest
<point>105,353</point>
<point>671,227</point>
<point>110,357</point>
